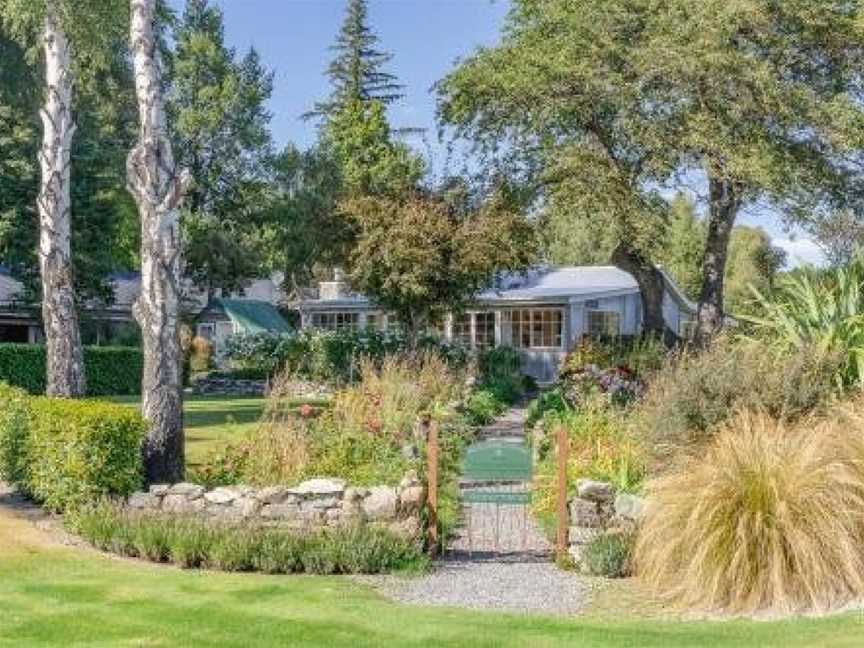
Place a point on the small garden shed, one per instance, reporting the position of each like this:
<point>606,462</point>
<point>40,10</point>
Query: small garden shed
<point>222,318</point>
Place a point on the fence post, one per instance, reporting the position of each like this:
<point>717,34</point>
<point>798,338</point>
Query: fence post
<point>432,487</point>
<point>562,539</point>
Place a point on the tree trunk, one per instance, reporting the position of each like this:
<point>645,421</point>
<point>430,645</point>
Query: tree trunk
<point>652,285</point>
<point>65,358</point>
<point>158,191</point>
<point>725,198</point>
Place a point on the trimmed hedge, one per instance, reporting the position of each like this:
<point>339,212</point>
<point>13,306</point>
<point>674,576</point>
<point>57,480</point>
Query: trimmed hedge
<point>65,452</point>
<point>111,371</point>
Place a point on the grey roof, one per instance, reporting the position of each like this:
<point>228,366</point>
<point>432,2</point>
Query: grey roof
<point>562,283</point>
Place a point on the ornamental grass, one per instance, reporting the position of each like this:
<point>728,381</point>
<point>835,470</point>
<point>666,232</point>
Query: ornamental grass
<point>769,517</point>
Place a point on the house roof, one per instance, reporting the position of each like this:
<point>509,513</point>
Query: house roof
<point>253,316</point>
<point>561,283</point>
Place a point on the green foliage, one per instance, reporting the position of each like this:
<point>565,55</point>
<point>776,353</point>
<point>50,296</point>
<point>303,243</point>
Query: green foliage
<point>191,542</point>
<point>695,392</point>
<point>602,447</point>
<point>331,357</point>
<point>14,432</point>
<point>66,453</point>
<point>360,437</point>
<point>420,257</point>
<point>551,402</point>
<point>356,73</point>
<point>220,127</point>
<point>500,372</point>
<point>823,312</point>
<point>483,407</point>
<point>609,555</point>
<point>110,370</point>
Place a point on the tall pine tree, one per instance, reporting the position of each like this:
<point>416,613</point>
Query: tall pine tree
<point>357,74</point>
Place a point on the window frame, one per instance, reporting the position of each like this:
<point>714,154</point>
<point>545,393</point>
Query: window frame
<point>525,331</point>
<point>605,313</point>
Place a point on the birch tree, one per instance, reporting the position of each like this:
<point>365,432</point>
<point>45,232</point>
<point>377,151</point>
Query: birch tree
<point>158,189</point>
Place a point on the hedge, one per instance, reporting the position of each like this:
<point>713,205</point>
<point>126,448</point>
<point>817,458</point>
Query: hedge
<point>111,371</point>
<point>65,453</point>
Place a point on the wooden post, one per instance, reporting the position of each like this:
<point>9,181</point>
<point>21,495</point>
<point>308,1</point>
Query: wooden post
<point>432,487</point>
<point>561,544</point>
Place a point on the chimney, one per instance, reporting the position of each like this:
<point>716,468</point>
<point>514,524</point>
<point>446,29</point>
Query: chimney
<point>336,289</point>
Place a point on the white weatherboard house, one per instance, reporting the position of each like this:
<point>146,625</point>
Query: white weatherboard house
<point>543,313</point>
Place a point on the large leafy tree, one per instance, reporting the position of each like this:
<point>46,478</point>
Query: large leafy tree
<point>357,71</point>
<point>759,98</point>
<point>421,255</point>
<point>220,126</point>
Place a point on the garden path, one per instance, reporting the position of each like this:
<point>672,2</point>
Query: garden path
<point>499,558</point>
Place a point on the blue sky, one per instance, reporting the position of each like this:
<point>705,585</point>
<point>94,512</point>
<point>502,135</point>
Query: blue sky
<point>425,36</point>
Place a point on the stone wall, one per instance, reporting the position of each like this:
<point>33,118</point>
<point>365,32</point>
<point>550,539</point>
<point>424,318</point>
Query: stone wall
<point>312,505</point>
<point>229,387</point>
<point>598,510</point>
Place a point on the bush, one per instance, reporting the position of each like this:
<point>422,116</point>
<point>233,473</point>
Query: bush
<point>65,453</point>
<point>641,355</point>
<point>818,310</point>
<point>14,432</point>
<point>196,542</point>
<point>609,555</point>
<point>360,437</point>
<point>200,355</point>
<point>483,407</point>
<point>501,374</point>
<point>332,357</point>
<point>766,518</point>
<point>695,392</point>
<point>110,370</point>
<point>601,448</point>
<point>551,402</point>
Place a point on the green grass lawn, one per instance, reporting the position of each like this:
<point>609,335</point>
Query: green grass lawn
<point>52,595</point>
<point>212,421</point>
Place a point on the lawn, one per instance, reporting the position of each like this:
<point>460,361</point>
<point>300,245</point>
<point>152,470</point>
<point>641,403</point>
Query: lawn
<point>52,595</point>
<point>212,421</point>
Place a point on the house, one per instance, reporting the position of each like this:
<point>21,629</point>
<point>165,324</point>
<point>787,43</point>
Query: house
<point>542,313</point>
<point>253,310</point>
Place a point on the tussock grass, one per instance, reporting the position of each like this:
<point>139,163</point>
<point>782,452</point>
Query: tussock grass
<point>768,518</point>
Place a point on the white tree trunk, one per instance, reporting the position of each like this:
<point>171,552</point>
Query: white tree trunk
<point>65,358</point>
<point>158,191</point>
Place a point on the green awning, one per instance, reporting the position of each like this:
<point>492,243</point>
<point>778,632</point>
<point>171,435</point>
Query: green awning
<point>252,316</point>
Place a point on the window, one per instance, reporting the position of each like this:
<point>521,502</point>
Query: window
<point>462,328</point>
<point>534,329</point>
<point>335,321</point>
<point>604,323</point>
<point>687,328</point>
<point>206,331</point>
<point>372,322</point>
<point>484,330</point>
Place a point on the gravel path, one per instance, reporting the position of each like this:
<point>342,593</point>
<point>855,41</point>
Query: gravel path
<point>499,559</point>
<point>527,587</point>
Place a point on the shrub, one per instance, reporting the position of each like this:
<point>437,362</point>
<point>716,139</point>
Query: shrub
<point>766,517</point>
<point>695,392</point>
<point>823,311</point>
<point>359,438</point>
<point>641,355</point>
<point>76,451</point>
<point>601,448</point>
<point>551,402</point>
<point>200,355</point>
<point>619,385</point>
<point>501,374</point>
<point>483,407</point>
<point>110,370</point>
<point>196,542</point>
<point>609,555</point>
<point>14,432</point>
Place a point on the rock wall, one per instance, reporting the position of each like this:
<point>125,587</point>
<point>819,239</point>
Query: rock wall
<point>312,505</point>
<point>598,510</point>
<point>229,387</point>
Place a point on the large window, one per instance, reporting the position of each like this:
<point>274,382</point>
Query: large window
<point>535,329</point>
<point>335,321</point>
<point>604,323</point>
<point>462,328</point>
<point>484,330</point>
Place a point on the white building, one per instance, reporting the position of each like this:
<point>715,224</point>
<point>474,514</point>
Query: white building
<point>543,313</point>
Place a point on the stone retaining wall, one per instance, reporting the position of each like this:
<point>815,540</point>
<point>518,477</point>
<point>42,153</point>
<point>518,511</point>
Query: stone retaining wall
<point>229,387</point>
<point>312,505</point>
<point>597,510</point>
